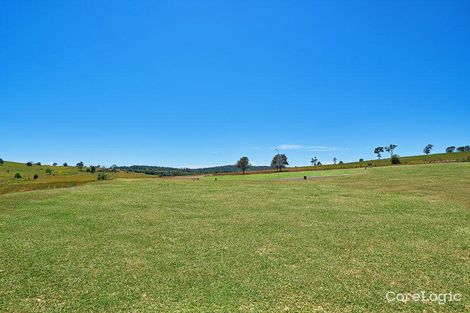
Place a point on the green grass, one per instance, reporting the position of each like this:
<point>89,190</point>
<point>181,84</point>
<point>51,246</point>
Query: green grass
<point>287,175</point>
<point>60,177</point>
<point>327,245</point>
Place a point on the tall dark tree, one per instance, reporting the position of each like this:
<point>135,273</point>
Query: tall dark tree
<point>335,160</point>
<point>1,161</point>
<point>390,148</point>
<point>450,149</point>
<point>314,161</point>
<point>279,162</point>
<point>65,164</point>
<point>379,151</point>
<point>80,165</point>
<point>243,164</point>
<point>428,149</point>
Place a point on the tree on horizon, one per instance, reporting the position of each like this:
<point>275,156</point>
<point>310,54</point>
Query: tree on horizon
<point>243,164</point>
<point>390,148</point>
<point>379,151</point>
<point>279,162</point>
<point>450,149</point>
<point>314,161</point>
<point>428,149</point>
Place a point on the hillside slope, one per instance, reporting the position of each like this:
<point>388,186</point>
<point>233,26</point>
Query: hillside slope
<point>48,177</point>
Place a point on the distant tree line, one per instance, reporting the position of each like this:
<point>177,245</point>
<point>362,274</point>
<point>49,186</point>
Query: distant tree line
<point>278,162</point>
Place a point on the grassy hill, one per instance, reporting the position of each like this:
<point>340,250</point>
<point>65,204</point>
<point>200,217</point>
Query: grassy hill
<point>48,177</point>
<point>406,160</point>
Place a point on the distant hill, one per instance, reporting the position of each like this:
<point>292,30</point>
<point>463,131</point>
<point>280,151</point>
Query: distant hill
<point>232,169</point>
<point>172,171</point>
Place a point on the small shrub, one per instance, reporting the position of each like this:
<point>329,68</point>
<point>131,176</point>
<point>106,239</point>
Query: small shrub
<point>29,164</point>
<point>17,176</point>
<point>48,171</point>
<point>102,176</point>
<point>92,169</point>
<point>395,159</point>
<point>35,176</point>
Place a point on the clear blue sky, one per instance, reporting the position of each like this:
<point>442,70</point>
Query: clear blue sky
<point>197,83</point>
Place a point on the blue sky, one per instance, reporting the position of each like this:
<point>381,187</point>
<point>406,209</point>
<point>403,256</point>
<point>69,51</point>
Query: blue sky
<point>199,83</point>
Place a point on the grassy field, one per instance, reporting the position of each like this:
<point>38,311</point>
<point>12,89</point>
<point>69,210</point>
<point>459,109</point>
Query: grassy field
<point>287,175</point>
<point>59,177</point>
<point>327,245</point>
<point>385,161</point>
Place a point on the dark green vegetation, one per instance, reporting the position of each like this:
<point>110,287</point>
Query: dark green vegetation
<point>279,162</point>
<point>243,164</point>
<point>171,171</point>
<point>336,244</point>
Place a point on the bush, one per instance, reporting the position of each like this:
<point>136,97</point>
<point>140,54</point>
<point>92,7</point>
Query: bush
<point>1,161</point>
<point>65,165</point>
<point>102,176</point>
<point>361,160</point>
<point>35,176</point>
<point>48,171</point>
<point>55,164</point>
<point>37,163</point>
<point>395,159</point>
<point>29,164</point>
<point>92,169</point>
<point>18,176</point>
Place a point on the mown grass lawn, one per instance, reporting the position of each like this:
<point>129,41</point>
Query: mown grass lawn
<point>333,245</point>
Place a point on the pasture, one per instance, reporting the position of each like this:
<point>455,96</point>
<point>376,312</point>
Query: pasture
<point>48,177</point>
<point>288,175</point>
<point>249,244</point>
